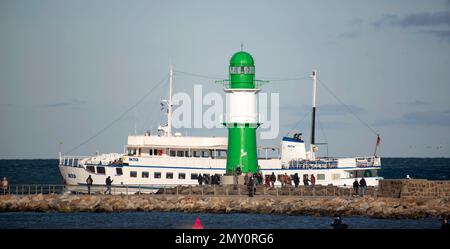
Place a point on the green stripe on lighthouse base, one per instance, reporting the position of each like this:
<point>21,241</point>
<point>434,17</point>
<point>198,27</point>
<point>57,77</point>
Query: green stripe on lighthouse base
<point>242,149</point>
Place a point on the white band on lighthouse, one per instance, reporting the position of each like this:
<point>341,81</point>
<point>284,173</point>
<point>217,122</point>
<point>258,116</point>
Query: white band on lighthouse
<point>242,106</point>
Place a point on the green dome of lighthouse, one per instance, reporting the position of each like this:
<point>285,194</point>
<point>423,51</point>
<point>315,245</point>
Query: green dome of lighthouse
<point>241,58</point>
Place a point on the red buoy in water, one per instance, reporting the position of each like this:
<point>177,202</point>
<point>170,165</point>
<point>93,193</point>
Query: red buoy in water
<point>197,224</point>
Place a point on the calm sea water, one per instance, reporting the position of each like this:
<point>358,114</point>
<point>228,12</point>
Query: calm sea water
<point>46,171</point>
<point>155,220</point>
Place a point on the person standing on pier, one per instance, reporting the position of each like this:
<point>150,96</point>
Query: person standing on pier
<point>89,182</point>
<point>363,186</point>
<point>296,180</point>
<point>200,179</point>
<point>267,181</point>
<point>4,184</point>
<point>313,180</point>
<point>247,178</point>
<point>273,179</point>
<point>108,184</point>
<point>356,186</point>
<point>306,180</point>
<point>251,186</point>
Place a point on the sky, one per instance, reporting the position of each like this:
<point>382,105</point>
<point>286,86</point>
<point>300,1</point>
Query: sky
<point>68,69</point>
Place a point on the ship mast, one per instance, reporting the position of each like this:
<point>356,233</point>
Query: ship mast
<point>169,111</point>
<point>313,122</point>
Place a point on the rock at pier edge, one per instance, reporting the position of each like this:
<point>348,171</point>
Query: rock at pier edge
<point>380,207</point>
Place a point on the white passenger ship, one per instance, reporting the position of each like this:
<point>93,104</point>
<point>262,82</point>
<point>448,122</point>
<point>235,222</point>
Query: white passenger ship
<point>166,159</point>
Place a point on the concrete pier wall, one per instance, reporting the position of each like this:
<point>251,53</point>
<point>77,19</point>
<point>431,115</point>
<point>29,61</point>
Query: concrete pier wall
<point>413,188</point>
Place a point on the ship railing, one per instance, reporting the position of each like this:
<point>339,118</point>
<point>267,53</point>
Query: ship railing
<point>368,161</point>
<point>201,190</point>
<point>34,189</point>
<point>227,83</point>
<point>329,163</point>
<point>72,161</point>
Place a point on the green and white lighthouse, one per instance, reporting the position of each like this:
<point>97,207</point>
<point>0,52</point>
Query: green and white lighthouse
<point>242,117</point>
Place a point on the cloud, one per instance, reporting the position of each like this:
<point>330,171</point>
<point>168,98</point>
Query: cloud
<point>430,118</point>
<point>422,19</point>
<point>7,105</point>
<point>349,35</point>
<point>305,126</point>
<point>434,24</point>
<point>74,104</point>
<point>331,109</point>
<point>443,35</point>
<point>357,21</point>
<point>415,103</point>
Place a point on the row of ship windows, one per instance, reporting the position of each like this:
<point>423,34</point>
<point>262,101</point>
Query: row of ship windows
<point>134,174</point>
<point>182,153</point>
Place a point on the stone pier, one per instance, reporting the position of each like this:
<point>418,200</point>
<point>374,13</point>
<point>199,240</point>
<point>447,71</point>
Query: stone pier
<point>393,199</point>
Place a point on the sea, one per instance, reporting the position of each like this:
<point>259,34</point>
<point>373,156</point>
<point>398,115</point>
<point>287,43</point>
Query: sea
<point>45,171</point>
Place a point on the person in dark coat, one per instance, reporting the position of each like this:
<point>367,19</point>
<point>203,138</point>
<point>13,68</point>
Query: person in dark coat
<point>200,179</point>
<point>205,179</point>
<point>273,179</point>
<point>337,223</point>
<point>218,179</point>
<point>306,180</point>
<point>356,186</point>
<point>296,180</point>
<point>362,186</point>
<point>238,171</point>
<point>89,182</point>
<point>260,178</point>
<point>247,178</point>
<point>108,184</point>
<point>251,186</point>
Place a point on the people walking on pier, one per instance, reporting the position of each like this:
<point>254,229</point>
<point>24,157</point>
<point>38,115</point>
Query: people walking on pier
<point>200,179</point>
<point>362,186</point>
<point>273,179</point>
<point>108,185</point>
<point>247,178</point>
<point>296,180</point>
<point>267,181</point>
<point>251,186</point>
<point>306,180</point>
<point>260,178</point>
<point>238,171</point>
<point>288,179</point>
<point>313,180</point>
<point>356,186</point>
<point>89,182</point>
<point>4,184</point>
<point>206,179</point>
